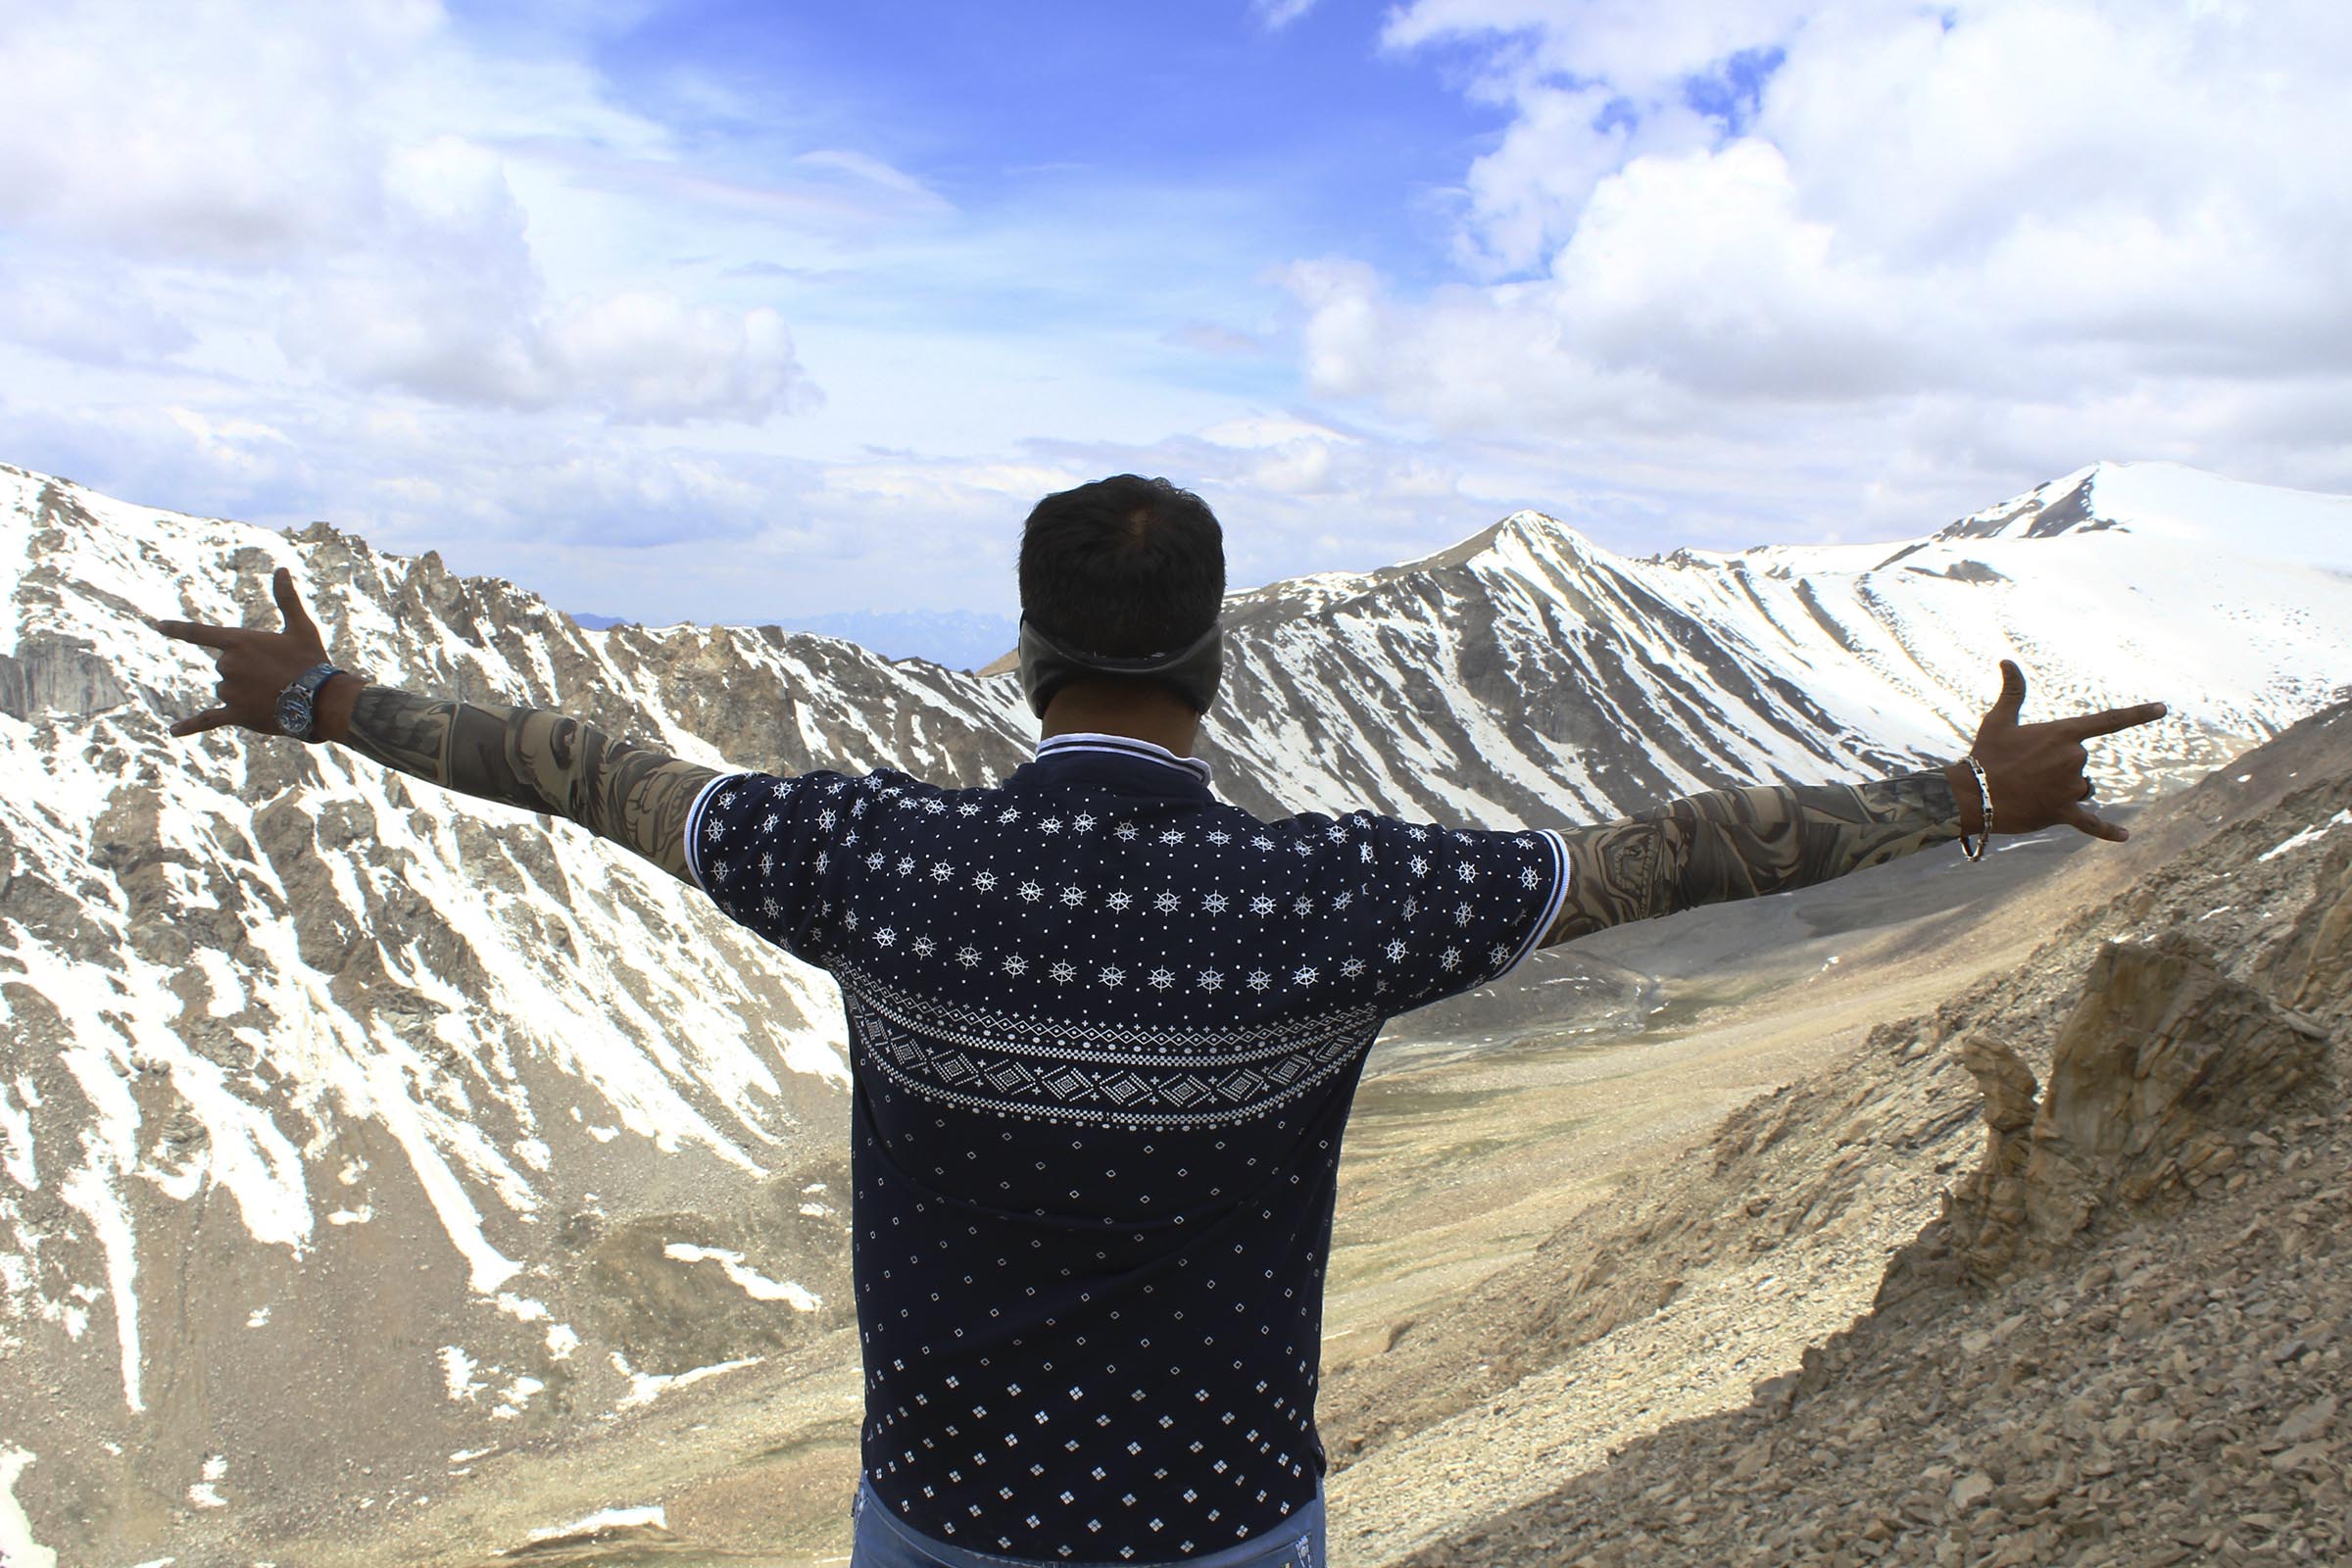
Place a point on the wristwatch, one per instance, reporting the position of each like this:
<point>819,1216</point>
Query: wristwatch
<point>298,704</point>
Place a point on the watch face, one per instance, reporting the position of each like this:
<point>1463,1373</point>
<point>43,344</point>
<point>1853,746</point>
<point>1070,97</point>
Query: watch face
<point>294,712</point>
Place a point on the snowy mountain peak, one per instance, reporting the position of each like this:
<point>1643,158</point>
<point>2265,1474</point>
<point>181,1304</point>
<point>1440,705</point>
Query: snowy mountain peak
<point>2171,501</point>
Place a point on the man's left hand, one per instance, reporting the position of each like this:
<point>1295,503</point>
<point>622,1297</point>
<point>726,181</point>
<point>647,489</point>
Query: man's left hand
<point>2035,771</point>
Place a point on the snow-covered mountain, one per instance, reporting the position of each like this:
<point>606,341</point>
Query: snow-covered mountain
<point>349,1129</point>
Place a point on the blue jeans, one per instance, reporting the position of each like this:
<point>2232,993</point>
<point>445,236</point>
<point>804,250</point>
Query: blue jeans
<point>884,1541</point>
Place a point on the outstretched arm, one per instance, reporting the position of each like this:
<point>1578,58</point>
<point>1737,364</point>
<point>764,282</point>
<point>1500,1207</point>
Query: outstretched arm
<point>541,761</point>
<point>1735,844</point>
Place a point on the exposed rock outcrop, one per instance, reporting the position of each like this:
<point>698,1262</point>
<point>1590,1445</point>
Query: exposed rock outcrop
<point>2164,1066</point>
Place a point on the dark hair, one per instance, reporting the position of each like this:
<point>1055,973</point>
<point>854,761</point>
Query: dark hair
<point>1124,567</point>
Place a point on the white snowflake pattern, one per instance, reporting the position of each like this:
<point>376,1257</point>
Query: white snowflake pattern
<point>1419,864</point>
<point>1416,834</point>
<point>906,865</point>
<point>1016,966</point>
<point>936,807</point>
<point>1063,974</point>
<point>969,958</point>
<point>1209,980</point>
<point>1126,832</point>
<point>1219,837</point>
<point>1337,833</point>
<point>726,798</point>
<point>1011,813</point>
<point>849,838</point>
<point>714,830</point>
<point>1084,821</point>
<point>827,817</point>
<point>1528,877</point>
<point>1303,848</point>
<point>768,866</point>
<point>1302,905</point>
<point>1259,841</point>
<point>1497,953</point>
<point>1072,896</point>
<point>1161,979</point>
<point>1412,907</point>
<point>1119,900</point>
<point>1354,969</point>
<point>771,908</point>
<point>1030,892</point>
<point>1343,898</point>
<point>968,809</point>
<point>985,881</point>
<point>1452,957</point>
<point>941,871</point>
<point>924,946</point>
<point>1304,975</point>
<point>1261,904</point>
<point>886,936</point>
<point>1258,980</point>
<point>1165,903</point>
<point>1216,903</point>
<point>1396,949</point>
<point>823,859</point>
<point>1466,871</point>
<point>1462,915</point>
<point>1048,824</point>
<point>858,807</point>
<point>771,821</point>
<point>849,919</point>
<point>1113,975</point>
<point>1171,835</point>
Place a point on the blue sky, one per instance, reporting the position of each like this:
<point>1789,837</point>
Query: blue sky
<point>753,312</point>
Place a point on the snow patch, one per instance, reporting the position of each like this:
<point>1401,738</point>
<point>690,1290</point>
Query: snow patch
<point>17,1548</point>
<point>2310,835</point>
<point>456,1372</point>
<point>757,1285</point>
<point>652,1515</point>
<point>647,1387</point>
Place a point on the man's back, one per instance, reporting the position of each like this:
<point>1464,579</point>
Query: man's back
<point>1105,1032</point>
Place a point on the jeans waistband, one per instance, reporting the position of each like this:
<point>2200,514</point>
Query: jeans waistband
<point>884,1541</point>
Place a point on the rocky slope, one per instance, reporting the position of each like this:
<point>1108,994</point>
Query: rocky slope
<point>492,1135</point>
<point>1984,1320</point>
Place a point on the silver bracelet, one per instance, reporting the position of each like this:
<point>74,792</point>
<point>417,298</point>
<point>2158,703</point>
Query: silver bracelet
<point>1976,850</point>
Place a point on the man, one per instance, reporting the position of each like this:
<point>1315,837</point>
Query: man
<point>1104,1029</point>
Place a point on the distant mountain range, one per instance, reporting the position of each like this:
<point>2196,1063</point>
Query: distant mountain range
<point>959,639</point>
<point>494,1131</point>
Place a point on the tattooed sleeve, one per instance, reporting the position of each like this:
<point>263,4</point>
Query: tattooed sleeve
<point>1737,844</point>
<point>540,760</point>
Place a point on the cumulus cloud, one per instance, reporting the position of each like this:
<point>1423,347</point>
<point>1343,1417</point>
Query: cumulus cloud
<point>1746,220</point>
<point>341,181</point>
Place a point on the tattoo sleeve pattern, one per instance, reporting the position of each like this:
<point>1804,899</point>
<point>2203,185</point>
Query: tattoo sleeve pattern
<point>1740,844</point>
<point>540,760</point>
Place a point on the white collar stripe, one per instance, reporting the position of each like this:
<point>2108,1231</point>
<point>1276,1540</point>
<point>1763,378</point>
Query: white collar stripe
<point>1121,745</point>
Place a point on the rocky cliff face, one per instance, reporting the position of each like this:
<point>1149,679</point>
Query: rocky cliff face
<point>2120,1334</point>
<point>335,1107</point>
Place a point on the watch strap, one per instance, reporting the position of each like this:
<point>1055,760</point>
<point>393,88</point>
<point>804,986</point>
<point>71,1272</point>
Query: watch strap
<point>308,683</point>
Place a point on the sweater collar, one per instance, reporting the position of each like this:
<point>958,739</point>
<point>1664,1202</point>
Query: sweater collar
<point>1083,743</point>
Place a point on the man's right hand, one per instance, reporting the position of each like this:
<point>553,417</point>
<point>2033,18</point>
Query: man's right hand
<point>2035,771</point>
<point>257,667</point>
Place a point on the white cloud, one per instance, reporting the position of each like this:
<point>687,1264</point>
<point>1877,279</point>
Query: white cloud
<point>343,181</point>
<point>2051,229</point>
<point>1275,14</point>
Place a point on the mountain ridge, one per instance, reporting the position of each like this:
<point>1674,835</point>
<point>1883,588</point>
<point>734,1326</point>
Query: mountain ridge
<point>293,1040</point>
